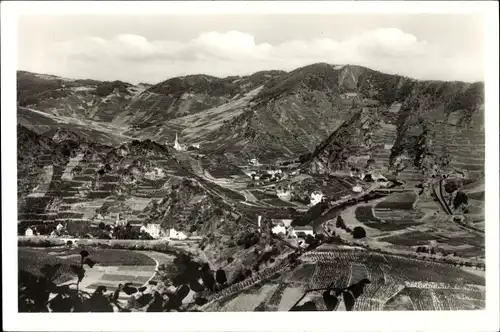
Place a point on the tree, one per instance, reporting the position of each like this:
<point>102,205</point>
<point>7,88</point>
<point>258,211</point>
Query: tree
<point>451,186</point>
<point>208,280</point>
<point>310,239</point>
<point>220,276</point>
<point>102,225</point>
<point>340,222</point>
<point>460,198</point>
<point>358,232</point>
<point>320,237</point>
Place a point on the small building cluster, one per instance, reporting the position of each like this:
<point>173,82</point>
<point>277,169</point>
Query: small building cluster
<point>269,175</point>
<point>316,198</point>
<point>156,232</point>
<point>284,193</point>
<point>283,226</point>
<point>59,230</point>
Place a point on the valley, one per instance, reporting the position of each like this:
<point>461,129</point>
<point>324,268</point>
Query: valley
<point>299,186</point>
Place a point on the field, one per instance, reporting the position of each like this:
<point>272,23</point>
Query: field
<point>260,195</point>
<point>112,266</point>
<point>396,283</point>
<point>400,201</point>
<point>412,238</point>
<point>395,220</point>
<point>29,257</point>
<point>436,299</point>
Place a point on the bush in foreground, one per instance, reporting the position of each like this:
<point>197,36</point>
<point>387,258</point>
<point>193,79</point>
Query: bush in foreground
<point>358,232</point>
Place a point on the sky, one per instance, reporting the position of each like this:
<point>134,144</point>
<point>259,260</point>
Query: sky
<point>150,49</point>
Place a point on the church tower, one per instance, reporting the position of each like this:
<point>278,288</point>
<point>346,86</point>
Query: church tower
<point>177,146</point>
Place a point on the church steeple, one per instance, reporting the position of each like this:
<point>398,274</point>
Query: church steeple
<point>177,146</point>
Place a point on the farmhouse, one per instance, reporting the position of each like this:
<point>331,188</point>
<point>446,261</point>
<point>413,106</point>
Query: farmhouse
<point>284,194</point>
<point>357,189</point>
<point>59,228</point>
<point>152,229</point>
<point>304,230</point>
<point>283,226</point>
<point>279,229</point>
<point>316,197</point>
<point>173,234</point>
<point>28,232</point>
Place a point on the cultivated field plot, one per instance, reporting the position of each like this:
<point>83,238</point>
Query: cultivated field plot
<point>412,238</point>
<point>102,257</point>
<point>259,194</point>
<point>222,169</point>
<point>397,221</point>
<point>302,274</point>
<point>400,201</point>
<point>436,299</point>
<point>398,268</point>
<point>277,202</point>
<point>454,238</point>
<point>396,283</point>
<point>113,266</point>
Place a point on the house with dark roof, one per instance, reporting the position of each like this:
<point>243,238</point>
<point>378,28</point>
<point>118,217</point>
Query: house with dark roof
<point>302,231</point>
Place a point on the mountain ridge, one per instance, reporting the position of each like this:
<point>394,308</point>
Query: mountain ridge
<point>272,114</point>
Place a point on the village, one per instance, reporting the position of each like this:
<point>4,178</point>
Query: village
<point>121,229</point>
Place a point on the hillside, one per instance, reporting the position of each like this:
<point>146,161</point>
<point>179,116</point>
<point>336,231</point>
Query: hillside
<point>270,114</point>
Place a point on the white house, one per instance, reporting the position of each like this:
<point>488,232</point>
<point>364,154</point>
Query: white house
<point>306,230</point>
<point>316,197</point>
<point>279,229</point>
<point>152,229</point>
<point>259,219</point>
<point>284,194</point>
<point>357,189</point>
<point>59,228</point>
<point>177,235</point>
<point>28,232</point>
<point>254,162</point>
<point>196,145</point>
<point>154,174</point>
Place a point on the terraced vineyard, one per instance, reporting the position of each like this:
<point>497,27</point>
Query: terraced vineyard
<point>396,283</point>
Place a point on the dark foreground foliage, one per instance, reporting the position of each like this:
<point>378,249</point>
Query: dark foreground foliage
<point>41,293</point>
<point>333,296</point>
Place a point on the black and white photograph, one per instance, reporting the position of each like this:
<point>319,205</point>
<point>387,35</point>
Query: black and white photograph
<point>285,160</point>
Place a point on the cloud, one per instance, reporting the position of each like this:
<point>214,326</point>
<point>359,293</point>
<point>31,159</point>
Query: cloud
<point>135,58</point>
